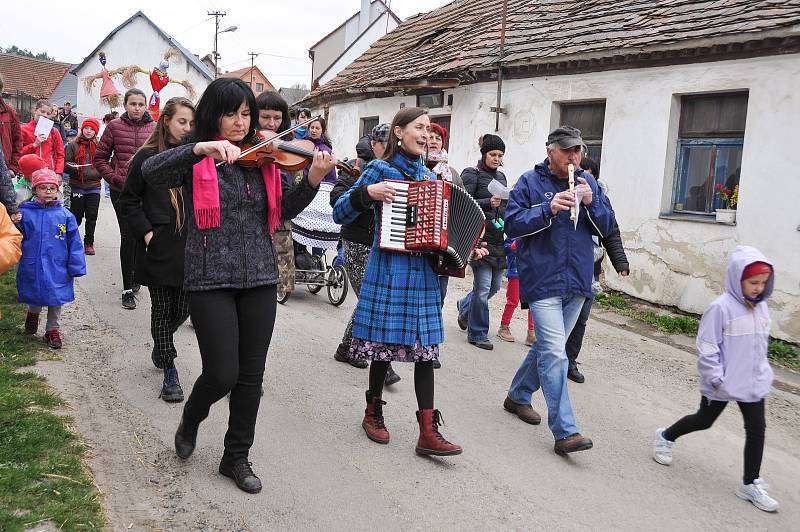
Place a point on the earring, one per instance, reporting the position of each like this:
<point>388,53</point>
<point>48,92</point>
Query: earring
<point>398,143</point>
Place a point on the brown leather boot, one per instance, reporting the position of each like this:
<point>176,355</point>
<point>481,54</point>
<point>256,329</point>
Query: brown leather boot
<point>572,444</point>
<point>531,338</point>
<point>430,441</point>
<point>505,334</point>
<point>373,420</point>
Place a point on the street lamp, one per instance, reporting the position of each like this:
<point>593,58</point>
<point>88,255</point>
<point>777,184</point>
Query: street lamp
<point>217,31</point>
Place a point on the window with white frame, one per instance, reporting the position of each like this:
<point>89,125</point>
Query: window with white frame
<point>259,87</point>
<point>710,142</point>
<point>589,118</point>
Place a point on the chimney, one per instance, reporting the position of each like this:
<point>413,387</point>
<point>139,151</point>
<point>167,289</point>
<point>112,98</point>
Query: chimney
<point>363,16</point>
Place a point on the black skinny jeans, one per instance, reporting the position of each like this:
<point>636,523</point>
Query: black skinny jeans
<point>127,244</point>
<point>233,328</point>
<point>85,205</point>
<point>755,426</point>
<point>575,339</point>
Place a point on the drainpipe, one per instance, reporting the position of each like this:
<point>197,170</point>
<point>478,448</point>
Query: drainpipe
<point>499,109</point>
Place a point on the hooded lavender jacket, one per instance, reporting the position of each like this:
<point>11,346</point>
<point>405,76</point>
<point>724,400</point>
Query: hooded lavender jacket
<point>733,336</point>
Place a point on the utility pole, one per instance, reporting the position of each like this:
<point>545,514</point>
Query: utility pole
<point>217,15</point>
<point>253,56</point>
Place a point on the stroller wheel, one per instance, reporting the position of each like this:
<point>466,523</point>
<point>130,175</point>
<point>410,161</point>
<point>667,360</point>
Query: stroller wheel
<point>337,285</point>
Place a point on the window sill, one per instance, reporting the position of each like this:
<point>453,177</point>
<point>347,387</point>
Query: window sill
<point>694,218</point>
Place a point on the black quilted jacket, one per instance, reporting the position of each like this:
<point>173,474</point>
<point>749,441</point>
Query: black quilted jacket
<point>239,253</point>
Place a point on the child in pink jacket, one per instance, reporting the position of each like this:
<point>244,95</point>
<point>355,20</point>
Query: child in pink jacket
<point>732,361</point>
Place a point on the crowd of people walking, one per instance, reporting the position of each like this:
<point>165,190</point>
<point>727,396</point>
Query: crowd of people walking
<point>210,237</point>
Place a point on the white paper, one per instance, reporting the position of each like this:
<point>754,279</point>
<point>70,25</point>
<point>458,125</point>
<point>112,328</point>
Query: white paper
<point>73,165</point>
<point>43,126</point>
<point>496,188</point>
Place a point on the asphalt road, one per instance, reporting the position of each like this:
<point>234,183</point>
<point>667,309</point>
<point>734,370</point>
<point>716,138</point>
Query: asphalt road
<point>320,471</point>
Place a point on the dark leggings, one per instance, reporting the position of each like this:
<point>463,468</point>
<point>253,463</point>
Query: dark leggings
<point>423,381</point>
<point>85,205</point>
<point>754,427</point>
<point>575,339</point>
<point>127,244</point>
<point>233,329</point>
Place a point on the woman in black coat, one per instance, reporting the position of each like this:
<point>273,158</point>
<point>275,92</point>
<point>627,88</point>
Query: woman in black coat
<point>156,219</point>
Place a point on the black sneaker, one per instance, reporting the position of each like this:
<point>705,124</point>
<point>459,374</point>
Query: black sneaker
<point>342,354</point>
<point>575,375</point>
<point>483,344</point>
<point>171,390</point>
<point>391,377</point>
<point>242,474</point>
<point>437,364</point>
<point>128,300</point>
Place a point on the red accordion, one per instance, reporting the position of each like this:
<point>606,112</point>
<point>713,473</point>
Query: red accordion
<point>432,217</point>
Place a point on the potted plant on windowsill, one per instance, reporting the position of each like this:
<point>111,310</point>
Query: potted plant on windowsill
<point>729,200</point>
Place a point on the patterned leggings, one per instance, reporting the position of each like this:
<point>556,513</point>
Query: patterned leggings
<point>355,263</point>
<point>170,308</point>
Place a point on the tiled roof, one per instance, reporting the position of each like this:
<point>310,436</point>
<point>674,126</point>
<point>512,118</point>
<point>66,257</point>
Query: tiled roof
<point>463,37</point>
<point>292,95</point>
<point>35,77</point>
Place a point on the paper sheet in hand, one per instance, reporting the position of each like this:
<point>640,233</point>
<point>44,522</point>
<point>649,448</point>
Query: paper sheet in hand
<point>496,188</point>
<point>73,165</point>
<point>43,126</point>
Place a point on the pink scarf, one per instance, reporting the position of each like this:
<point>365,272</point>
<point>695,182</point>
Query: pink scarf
<point>205,193</point>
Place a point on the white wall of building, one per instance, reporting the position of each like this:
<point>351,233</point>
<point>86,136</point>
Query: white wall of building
<point>673,261</point>
<point>373,33</point>
<point>136,44</point>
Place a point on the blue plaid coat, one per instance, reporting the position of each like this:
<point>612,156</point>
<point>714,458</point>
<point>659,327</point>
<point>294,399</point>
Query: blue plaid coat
<point>400,301</point>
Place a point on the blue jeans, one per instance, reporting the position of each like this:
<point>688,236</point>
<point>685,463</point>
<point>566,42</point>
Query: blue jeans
<point>474,308</point>
<point>545,366</point>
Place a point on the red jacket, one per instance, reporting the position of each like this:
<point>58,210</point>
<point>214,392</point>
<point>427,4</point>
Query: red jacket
<point>51,150</point>
<point>121,138</point>
<point>10,136</point>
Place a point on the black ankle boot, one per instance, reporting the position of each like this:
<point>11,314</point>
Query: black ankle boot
<point>242,474</point>
<point>185,438</point>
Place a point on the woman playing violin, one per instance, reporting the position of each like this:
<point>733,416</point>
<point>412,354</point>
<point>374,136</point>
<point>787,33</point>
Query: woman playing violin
<point>230,263</point>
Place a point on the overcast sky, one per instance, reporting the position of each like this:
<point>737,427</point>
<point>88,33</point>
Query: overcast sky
<point>283,28</point>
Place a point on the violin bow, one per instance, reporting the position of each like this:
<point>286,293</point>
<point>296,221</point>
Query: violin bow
<point>263,143</point>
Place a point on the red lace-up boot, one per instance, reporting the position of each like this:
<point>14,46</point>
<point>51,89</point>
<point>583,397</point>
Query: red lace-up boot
<point>373,420</point>
<point>430,441</point>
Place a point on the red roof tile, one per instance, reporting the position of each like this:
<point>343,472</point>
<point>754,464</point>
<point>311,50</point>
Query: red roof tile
<point>35,77</point>
<point>462,38</point>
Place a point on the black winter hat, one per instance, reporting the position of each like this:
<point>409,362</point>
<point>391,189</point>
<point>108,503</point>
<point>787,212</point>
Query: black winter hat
<point>492,142</point>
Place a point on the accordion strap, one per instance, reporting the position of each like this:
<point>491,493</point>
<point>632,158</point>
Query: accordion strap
<point>408,176</point>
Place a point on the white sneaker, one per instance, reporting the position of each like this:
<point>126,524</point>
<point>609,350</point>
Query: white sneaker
<point>757,494</point>
<point>662,450</point>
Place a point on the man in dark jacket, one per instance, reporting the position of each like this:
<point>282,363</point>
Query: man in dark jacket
<point>555,257</point>
<point>67,117</point>
<point>616,253</point>
<point>473,309</point>
<point>357,238</point>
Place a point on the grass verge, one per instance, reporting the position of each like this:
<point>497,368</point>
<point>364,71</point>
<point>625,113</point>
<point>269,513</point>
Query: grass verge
<point>42,477</point>
<point>780,352</point>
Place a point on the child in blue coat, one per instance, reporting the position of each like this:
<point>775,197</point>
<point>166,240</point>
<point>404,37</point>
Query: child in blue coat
<point>52,255</point>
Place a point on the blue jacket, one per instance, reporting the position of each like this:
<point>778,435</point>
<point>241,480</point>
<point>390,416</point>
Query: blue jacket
<point>52,254</point>
<point>553,258</point>
<point>400,300</point>
<point>511,258</point>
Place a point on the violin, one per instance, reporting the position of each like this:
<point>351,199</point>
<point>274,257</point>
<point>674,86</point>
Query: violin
<point>292,155</point>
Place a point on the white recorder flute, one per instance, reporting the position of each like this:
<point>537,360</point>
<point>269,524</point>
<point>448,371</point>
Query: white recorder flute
<point>572,210</point>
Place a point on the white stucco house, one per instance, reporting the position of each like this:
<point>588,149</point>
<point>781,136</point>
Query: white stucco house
<point>139,41</point>
<point>331,54</point>
<point>674,97</point>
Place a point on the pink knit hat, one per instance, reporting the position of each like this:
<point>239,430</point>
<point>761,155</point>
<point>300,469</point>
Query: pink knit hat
<point>45,176</point>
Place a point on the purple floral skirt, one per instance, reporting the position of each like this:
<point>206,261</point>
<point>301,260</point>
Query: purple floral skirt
<point>366,350</point>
